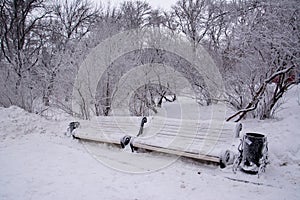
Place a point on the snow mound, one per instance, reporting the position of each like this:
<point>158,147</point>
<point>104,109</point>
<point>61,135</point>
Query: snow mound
<point>16,122</point>
<point>284,130</point>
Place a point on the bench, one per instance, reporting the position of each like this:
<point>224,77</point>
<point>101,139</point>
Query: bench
<point>107,129</point>
<point>201,140</point>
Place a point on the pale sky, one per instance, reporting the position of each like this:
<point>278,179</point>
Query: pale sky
<point>164,4</point>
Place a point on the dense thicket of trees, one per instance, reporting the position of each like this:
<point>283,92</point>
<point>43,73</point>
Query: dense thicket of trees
<point>256,45</point>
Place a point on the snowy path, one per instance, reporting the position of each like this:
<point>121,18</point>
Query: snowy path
<point>53,169</point>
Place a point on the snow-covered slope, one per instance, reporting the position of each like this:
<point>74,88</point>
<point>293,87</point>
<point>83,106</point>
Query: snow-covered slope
<point>38,161</point>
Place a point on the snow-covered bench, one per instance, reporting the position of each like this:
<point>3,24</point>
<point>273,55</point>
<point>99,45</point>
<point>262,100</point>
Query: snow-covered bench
<point>202,140</point>
<point>198,139</point>
<point>108,129</point>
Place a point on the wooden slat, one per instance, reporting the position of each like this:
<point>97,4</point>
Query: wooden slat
<point>114,130</point>
<point>195,127</point>
<point>179,153</point>
<point>98,139</point>
<point>188,148</point>
<point>199,133</point>
<point>196,137</point>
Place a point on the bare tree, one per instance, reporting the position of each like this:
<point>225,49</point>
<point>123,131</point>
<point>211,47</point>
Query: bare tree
<point>70,22</point>
<point>108,23</point>
<point>195,17</point>
<point>75,18</point>
<point>135,13</point>
<point>21,44</point>
<point>267,45</point>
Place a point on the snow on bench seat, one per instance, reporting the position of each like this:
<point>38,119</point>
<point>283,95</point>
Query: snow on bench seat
<point>108,129</point>
<point>203,140</point>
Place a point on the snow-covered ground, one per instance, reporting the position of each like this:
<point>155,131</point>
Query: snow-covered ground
<point>38,161</point>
